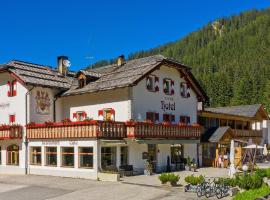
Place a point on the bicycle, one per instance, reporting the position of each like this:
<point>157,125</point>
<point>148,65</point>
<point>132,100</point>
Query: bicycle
<point>222,190</point>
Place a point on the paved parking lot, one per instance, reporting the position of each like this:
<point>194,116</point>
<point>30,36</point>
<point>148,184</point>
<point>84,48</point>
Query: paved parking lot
<point>30,187</point>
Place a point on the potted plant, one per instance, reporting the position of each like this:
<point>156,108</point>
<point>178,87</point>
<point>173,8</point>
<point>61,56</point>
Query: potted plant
<point>164,178</point>
<point>173,178</point>
<point>193,181</point>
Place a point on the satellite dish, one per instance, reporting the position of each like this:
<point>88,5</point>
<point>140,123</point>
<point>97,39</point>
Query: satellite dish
<point>66,63</point>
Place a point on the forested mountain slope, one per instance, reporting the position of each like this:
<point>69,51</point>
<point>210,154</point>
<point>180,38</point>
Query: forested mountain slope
<point>230,57</point>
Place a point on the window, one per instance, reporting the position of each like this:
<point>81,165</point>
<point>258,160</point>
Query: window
<point>152,83</point>
<point>168,118</point>
<point>107,114</point>
<point>153,117</point>
<point>12,88</point>
<point>108,158</point>
<point>168,86</point>
<point>13,155</point>
<point>177,153</point>
<point>12,119</point>
<point>35,155</point>
<point>67,156</point>
<point>86,157</point>
<point>81,116</point>
<point>184,90</point>
<point>51,156</point>
<point>185,119</point>
<point>124,155</point>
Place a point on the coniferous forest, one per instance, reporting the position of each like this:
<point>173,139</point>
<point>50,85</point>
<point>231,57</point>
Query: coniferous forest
<point>230,57</point>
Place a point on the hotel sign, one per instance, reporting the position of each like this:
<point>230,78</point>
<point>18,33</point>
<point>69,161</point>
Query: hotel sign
<point>168,104</point>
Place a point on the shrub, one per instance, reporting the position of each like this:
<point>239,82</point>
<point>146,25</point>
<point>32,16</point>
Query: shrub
<point>194,180</point>
<point>253,193</point>
<point>261,172</point>
<point>249,181</point>
<point>164,178</point>
<point>227,181</point>
<point>173,178</point>
<point>267,171</point>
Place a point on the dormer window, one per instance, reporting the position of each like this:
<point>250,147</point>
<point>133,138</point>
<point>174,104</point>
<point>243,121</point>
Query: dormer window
<point>82,83</point>
<point>82,80</point>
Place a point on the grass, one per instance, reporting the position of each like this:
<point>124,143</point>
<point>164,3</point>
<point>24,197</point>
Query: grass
<point>253,193</point>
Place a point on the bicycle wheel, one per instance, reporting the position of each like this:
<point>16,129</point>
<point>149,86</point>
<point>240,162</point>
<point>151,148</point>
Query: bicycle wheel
<point>219,193</point>
<point>199,191</point>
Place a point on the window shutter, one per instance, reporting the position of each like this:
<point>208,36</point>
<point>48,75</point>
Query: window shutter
<point>84,114</point>
<point>11,118</point>
<point>14,84</point>
<point>156,116</point>
<point>182,119</point>
<point>8,87</point>
<point>14,118</point>
<point>74,115</point>
<point>173,118</point>
<point>112,111</point>
<point>182,89</point>
<point>188,90</point>
<point>147,83</point>
<point>172,87</point>
<point>148,116</point>
<point>164,86</point>
<point>100,113</point>
<point>156,84</point>
<point>188,120</point>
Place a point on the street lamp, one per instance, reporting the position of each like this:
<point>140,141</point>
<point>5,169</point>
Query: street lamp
<point>245,168</point>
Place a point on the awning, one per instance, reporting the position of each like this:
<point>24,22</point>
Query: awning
<point>163,141</point>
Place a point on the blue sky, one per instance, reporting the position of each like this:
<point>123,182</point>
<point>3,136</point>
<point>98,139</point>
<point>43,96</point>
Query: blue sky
<point>87,31</point>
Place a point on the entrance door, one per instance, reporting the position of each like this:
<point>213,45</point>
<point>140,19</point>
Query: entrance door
<point>152,153</point>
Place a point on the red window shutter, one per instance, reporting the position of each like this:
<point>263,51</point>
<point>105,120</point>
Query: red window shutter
<point>11,118</point>
<point>74,115</point>
<point>156,84</point>
<point>9,87</point>
<point>112,111</point>
<point>156,116</point>
<point>84,114</point>
<point>14,85</point>
<point>100,113</point>
<point>182,119</point>
<point>182,89</point>
<point>148,116</point>
<point>188,120</point>
<point>172,87</point>
<point>165,117</point>
<point>164,86</point>
<point>173,118</point>
<point>188,90</point>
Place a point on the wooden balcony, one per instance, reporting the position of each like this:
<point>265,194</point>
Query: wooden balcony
<point>248,133</point>
<point>146,130</point>
<point>10,132</point>
<point>91,129</point>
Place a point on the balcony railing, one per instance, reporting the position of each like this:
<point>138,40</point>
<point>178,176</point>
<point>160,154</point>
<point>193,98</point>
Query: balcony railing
<point>91,129</point>
<point>10,132</point>
<point>111,130</point>
<point>146,130</point>
<point>248,133</point>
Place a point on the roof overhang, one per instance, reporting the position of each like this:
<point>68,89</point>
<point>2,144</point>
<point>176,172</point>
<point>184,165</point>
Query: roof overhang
<point>165,141</point>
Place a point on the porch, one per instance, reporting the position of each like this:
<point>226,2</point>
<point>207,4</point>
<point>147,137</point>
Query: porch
<point>10,132</point>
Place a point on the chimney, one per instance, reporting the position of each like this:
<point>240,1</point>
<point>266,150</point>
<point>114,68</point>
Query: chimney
<point>63,64</point>
<point>120,60</point>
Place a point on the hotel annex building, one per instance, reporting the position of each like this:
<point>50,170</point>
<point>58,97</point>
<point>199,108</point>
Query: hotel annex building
<point>61,123</point>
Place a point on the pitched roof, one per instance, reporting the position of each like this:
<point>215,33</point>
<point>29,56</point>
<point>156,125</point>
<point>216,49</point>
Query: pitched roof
<point>243,110</point>
<point>128,74</point>
<point>215,134</point>
<point>41,75</point>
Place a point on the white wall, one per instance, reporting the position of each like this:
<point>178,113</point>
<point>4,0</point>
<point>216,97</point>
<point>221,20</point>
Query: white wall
<point>11,105</point>
<point>145,101</point>
<point>92,102</point>
<point>75,171</point>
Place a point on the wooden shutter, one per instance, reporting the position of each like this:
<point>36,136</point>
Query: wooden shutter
<point>156,84</point>
<point>172,87</point>
<point>100,113</point>
<point>148,83</point>
<point>172,118</point>
<point>182,89</point>
<point>156,116</point>
<point>188,90</point>
<point>11,118</point>
<point>14,86</point>
<point>164,86</point>
<point>166,118</point>
<point>183,119</point>
<point>74,115</point>
<point>9,89</point>
<point>148,116</point>
<point>188,120</point>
